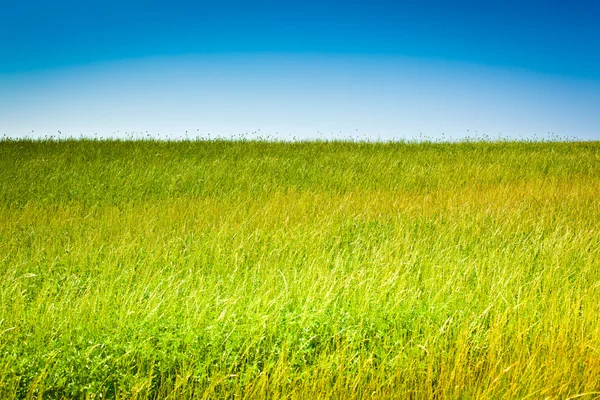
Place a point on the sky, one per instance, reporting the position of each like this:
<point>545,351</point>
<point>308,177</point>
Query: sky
<point>375,70</point>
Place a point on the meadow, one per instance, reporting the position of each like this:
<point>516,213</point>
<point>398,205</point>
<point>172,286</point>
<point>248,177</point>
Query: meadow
<point>257,269</point>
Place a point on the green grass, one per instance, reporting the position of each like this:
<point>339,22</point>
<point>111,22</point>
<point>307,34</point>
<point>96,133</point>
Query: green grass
<point>299,270</point>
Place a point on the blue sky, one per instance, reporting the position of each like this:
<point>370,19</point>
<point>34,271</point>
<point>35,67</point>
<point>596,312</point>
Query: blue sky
<point>305,69</point>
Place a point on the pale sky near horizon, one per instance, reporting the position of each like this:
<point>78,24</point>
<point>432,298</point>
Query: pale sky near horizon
<point>361,70</point>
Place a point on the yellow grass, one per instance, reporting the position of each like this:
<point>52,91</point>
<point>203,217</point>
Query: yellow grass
<point>299,270</point>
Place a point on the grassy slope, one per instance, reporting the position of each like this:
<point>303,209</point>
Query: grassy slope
<point>150,269</point>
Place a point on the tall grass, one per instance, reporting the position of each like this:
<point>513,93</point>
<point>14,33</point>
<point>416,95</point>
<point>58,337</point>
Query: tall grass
<point>219,269</point>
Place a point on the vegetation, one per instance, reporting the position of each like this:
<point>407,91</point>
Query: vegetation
<point>249,269</point>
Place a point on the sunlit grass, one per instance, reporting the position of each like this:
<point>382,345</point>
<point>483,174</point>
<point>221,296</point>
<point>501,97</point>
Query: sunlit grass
<point>299,270</point>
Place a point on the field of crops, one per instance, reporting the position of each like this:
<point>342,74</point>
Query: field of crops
<point>249,269</point>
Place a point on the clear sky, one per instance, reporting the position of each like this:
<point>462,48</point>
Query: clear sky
<point>363,69</point>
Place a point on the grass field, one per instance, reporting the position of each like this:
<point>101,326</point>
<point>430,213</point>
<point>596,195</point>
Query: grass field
<point>235,269</point>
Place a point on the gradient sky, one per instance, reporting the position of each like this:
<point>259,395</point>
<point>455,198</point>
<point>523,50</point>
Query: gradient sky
<point>362,69</point>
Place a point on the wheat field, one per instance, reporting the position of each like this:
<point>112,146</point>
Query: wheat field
<point>257,269</point>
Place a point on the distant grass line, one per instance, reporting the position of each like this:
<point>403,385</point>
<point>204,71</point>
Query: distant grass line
<point>249,269</point>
